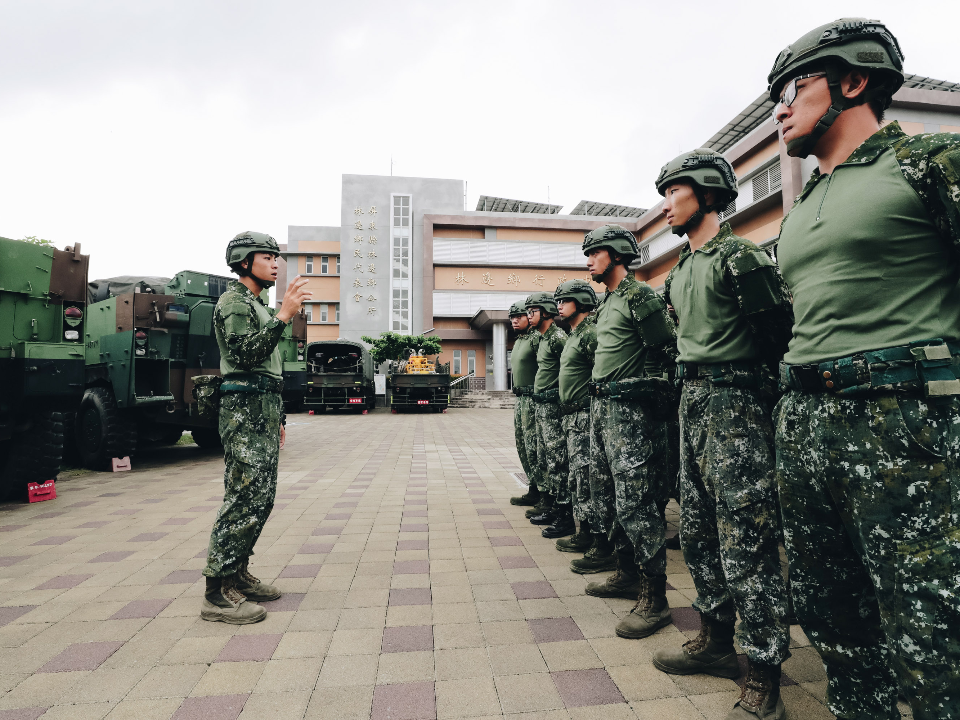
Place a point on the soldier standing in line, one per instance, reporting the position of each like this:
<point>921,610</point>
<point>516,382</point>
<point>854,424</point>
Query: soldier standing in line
<point>523,363</point>
<point>633,398</point>
<point>251,426</point>
<point>551,443</point>
<point>868,434</point>
<point>735,321</point>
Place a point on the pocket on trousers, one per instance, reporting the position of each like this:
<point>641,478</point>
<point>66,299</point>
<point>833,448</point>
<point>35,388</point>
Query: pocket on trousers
<point>928,424</point>
<point>927,604</point>
<point>742,496</point>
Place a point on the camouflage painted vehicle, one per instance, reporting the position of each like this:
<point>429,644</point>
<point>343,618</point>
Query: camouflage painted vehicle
<point>418,384</point>
<point>42,315</point>
<point>292,351</point>
<point>147,338</point>
<point>339,376</point>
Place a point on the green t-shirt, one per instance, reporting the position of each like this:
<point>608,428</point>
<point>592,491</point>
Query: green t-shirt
<point>576,361</point>
<point>635,336</point>
<point>247,334</point>
<point>548,359</point>
<point>870,250</point>
<point>523,359</point>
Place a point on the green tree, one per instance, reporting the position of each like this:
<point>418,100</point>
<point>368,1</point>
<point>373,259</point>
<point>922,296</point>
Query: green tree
<point>394,346</point>
<point>37,241</point>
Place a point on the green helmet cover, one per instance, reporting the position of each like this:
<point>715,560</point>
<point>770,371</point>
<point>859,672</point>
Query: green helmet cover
<point>579,290</point>
<point>518,308</point>
<point>544,301</point>
<point>614,237</point>
<point>836,48</point>
<point>705,169</point>
<point>250,242</point>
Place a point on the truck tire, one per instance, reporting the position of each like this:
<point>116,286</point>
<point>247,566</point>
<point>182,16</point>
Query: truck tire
<point>207,438</point>
<point>33,455</point>
<point>103,430</point>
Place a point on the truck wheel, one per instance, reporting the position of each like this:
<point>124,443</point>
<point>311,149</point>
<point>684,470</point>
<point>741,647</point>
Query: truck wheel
<point>103,430</point>
<point>33,455</point>
<point>207,438</point>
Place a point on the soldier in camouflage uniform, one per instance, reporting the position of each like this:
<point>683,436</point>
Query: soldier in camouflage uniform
<point>868,434</point>
<point>734,322</point>
<point>251,417</point>
<point>551,442</point>
<point>632,397</point>
<point>523,363</point>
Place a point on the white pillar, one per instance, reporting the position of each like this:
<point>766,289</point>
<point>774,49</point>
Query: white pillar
<point>499,356</point>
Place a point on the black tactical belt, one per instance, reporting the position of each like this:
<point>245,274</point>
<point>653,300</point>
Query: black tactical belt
<point>930,367</point>
<point>740,374</point>
<point>628,388</point>
<point>522,390</point>
<point>575,406</point>
<point>548,396</point>
<point>251,383</point>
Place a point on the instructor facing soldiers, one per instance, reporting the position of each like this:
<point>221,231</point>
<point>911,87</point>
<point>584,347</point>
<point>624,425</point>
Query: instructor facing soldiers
<point>251,426</point>
<point>868,434</point>
<point>734,322</point>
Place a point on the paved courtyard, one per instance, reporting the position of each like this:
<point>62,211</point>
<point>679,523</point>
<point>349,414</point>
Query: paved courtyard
<point>413,589</point>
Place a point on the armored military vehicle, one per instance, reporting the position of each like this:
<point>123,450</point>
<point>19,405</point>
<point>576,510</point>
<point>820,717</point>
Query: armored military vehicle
<point>416,383</point>
<point>147,338</point>
<point>292,351</point>
<point>42,317</point>
<point>339,376</point>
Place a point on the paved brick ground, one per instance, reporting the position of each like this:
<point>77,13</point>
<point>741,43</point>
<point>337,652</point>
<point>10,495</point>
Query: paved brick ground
<point>414,590</point>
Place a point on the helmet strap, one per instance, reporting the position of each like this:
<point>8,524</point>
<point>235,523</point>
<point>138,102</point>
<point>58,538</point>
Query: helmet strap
<point>265,284</point>
<point>702,209</point>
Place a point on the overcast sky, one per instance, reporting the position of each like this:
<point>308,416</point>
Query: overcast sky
<point>153,131</point>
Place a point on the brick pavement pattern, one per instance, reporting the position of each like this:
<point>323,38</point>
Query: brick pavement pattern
<point>413,591</point>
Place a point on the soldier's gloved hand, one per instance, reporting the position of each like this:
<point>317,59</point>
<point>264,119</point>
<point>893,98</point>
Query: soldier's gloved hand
<point>293,298</point>
<point>283,436</point>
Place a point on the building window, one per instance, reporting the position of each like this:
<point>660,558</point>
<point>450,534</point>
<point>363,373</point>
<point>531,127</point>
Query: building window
<point>336,306</point>
<point>456,361</point>
<point>308,310</point>
<point>309,269</point>
<point>324,264</point>
<point>400,242</point>
<point>471,361</point>
<point>338,264</point>
<point>323,313</point>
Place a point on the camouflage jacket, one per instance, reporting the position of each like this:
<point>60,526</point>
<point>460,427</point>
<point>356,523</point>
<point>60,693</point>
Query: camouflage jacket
<point>751,276</point>
<point>247,334</point>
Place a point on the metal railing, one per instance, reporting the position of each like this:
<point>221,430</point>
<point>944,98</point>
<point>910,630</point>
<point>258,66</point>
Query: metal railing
<point>460,386</point>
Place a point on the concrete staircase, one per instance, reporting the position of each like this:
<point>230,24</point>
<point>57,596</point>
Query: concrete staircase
<point>497,399</point>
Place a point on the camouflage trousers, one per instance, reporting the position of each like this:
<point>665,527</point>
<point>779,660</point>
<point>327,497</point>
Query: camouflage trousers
<point>628,483</point>
<point>729,515</point>
<point>870,494</point>
<point>250,430</point>
<point>525,434</point>
<point>576,427</point>
<point>552,451</point>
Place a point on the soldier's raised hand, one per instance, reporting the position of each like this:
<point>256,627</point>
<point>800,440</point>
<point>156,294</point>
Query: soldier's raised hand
<point>293,298</point>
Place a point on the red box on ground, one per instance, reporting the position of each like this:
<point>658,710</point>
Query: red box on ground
<point>121,464</point>
<point>38,492</point>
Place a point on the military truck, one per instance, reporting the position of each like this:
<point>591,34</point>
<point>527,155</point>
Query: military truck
<point>42,317</point>
<point>339,376</point>
<point>418,384</point>
<point>146,339</point>
<point>292,350</point>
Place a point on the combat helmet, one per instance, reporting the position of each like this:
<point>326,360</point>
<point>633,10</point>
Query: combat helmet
<point>615,237</point>
<point>241,247</point>
<point>705,169</point>
<point>835,48</point>
<point>544,301</point>
<point>579,290</point>
<point>518,308</point>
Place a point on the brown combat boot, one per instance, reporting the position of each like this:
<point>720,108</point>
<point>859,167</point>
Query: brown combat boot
<point>222,602</point>
<point>651,612</point>
<point>531,497</point>
<point>625,582</point>
<point>760,696</point>
<point>579,542</point>
<point>252,588</point>
<point>711,652</point>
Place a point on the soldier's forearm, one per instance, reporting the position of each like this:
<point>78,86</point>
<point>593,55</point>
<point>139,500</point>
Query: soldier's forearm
<point>248,351</point>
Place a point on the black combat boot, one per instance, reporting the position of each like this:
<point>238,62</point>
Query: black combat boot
<point>546,517</point>
<point>599,558</point>
<point>222,602</point>
<point>252,588</point>
<point>531,497</point>
<point>579,542</point>
<point>563,523</point>
<point>625,582</point>
<point>544,504</point>
<point>711,652</point>
<point>760,697</point>
<point>651,612</point>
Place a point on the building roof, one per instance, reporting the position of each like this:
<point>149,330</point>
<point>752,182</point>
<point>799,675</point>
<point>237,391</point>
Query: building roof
<point>599,209</point>
<point>752,116</point>
<point>489,203</point>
